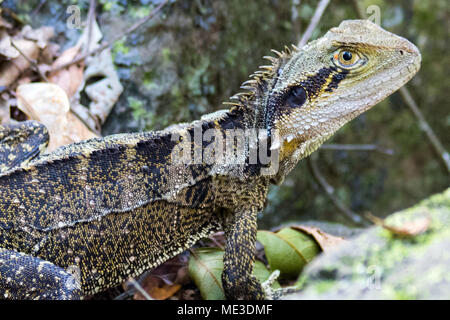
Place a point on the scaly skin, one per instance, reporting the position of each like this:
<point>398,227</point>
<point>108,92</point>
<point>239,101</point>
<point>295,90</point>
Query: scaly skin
<point>112,208</point>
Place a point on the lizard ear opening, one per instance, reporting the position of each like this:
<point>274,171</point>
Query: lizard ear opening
<point>296,97</point>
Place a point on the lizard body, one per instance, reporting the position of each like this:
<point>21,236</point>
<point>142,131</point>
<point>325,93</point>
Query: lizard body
<point>114,207</point>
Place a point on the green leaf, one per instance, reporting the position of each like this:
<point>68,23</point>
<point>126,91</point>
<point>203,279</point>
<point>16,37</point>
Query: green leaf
<point>288,250</point>
<point>206,267</point>
<point>305,245</point>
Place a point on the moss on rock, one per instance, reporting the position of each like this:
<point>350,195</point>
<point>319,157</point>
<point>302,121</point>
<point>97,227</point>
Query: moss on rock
<point>378,265</point>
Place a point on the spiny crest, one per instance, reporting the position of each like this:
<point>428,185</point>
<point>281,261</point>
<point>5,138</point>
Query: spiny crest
<point>265,73</point>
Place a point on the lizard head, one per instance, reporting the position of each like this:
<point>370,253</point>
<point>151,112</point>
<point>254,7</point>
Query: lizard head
<point>314,91</point>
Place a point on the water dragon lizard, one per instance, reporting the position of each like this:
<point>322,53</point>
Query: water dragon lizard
<point>89,215</point>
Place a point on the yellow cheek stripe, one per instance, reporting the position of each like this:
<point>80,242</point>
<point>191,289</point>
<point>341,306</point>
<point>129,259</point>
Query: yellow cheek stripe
<point>288,148</point>
<point>323,87</point>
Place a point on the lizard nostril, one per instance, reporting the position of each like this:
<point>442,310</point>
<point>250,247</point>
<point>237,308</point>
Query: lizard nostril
<point>401,52</point>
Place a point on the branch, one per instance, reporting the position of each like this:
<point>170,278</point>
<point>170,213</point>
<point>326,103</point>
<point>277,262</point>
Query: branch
<point>38,8</point>
<point>359,9</point>
<point>358,147</point>
<point>313,23</point>
<point>91,18</point>
<point>425,127</point>
<point>329,190</point>
<point>117,38</point>
<point>13,15</point>
<point>30,61</point>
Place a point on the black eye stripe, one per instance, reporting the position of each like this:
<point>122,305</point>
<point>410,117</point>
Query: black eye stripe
<point>309,88</point>
<point>337,77</point>
<point>296,97</point>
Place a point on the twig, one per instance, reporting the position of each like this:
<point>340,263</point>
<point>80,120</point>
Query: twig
<point>313,23</point>
<point>358,147</point>
<point>117,38</point>
<point>38,7</point>
<point>139,288</point>
<point>359,9</point>
<point>90,19</point>
<point>13,15</point>
<point>425,127</point>
<point>30,61</point>
<point>411,103</point>
<point>329,190</point>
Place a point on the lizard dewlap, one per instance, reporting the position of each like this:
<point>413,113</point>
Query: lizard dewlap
<point>89,215</point>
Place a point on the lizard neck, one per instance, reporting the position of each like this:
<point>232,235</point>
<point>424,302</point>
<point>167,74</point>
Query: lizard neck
<point>250,111</point>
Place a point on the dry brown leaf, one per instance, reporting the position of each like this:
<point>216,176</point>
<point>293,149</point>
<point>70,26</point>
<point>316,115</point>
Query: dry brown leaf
<point>11,70</point>
<point>30,42</point>
<point>4,23</point>
<point>4,111</point>
<point>105,91</point>
<point>49,53</point>
<point>70,78</point>
<point>48,104</point>
<point>407,229</point>
<point>326,241</point>
<point>157,288</point>
<point>6,49</point>
<point>165,280</point>
<point>183,276</point>
<point>40,36</point>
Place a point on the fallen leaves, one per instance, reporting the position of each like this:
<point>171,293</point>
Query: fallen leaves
<point>27,55</point>
<point>49,104</point>
<point>326,241</point>
<point>40,36</point>
<point>206,266</point>
<point>6,49</point>
<point>29,42</point>
<point>106,88</point>
<point>157,288</point>
<point>166,280</point>
<point>288,250</point>
<point>11,70</point>
<point>407,229</point>
<point>70,78</point>
<point>97,78</point>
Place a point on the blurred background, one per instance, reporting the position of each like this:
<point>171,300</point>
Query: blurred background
<point>195,54</point>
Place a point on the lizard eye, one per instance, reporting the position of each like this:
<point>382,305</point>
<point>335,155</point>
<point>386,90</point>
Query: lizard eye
<point>346,59</point>
<point>296,97</point>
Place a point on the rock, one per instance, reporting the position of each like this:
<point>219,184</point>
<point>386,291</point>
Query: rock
<point>378,265</point>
